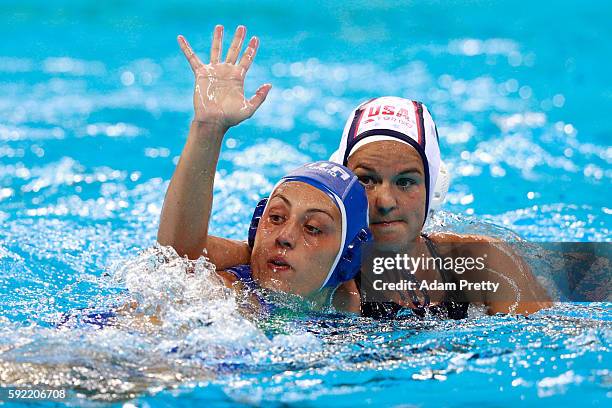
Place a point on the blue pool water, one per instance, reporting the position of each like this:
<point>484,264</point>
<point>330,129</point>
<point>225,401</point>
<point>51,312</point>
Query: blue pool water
<point>95,103</point>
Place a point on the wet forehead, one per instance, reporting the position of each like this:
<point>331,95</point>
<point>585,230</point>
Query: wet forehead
<point>386,156</point>
<point>305,197</point>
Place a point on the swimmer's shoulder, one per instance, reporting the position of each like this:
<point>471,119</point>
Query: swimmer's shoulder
<point>346,298</point>
<point>454,244</point>
<point>452,238</point>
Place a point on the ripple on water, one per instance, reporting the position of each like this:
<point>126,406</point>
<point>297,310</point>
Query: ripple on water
<point>87,152</point>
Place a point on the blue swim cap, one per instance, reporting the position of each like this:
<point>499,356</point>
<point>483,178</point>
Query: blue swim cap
<point>342,186</point>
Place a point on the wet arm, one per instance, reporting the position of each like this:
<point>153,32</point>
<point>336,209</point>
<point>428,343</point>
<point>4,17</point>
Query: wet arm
<point>225,253</point>
<point>519,291</point>
<point>219,103</point>
<point>188,201</point>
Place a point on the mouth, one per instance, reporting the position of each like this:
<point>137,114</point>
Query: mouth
<point>386,224</point>
<point>279,264</point>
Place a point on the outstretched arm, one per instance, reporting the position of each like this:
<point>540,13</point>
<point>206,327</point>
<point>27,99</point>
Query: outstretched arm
<point>518,292</point>
<point>219,103</point>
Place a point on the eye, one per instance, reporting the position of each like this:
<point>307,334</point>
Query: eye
<point>367,181</point>
<point>312,230</point>
<point>405,182</point>
<point>276,219</point>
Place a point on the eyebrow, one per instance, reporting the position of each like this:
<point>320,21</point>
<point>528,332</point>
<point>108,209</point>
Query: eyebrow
<point>310,210</point>
<point>411,170</point>
<point>408,170</point>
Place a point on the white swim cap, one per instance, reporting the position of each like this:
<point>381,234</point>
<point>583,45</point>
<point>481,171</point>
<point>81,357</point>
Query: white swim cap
<point>400,120</point>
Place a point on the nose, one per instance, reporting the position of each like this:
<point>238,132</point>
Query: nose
<point>287,235</point>
<point>385,200</point>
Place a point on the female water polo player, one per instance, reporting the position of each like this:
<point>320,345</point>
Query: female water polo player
<point>398,161</point>
<point>306,237</point>
<point>392,146</point>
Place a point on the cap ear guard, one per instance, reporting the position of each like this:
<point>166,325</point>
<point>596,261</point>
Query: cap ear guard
<point>441,188</point>
<point>257,214</point>
<point>349,264</point>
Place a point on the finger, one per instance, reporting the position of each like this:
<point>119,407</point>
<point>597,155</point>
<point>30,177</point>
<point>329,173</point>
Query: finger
<point>217,43</point>
<point>249,54</point>
<point>259,97</point>
<point>193,59</point>
<point>234,50</point>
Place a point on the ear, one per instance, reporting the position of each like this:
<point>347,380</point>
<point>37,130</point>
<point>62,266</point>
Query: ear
<point>259,210</point>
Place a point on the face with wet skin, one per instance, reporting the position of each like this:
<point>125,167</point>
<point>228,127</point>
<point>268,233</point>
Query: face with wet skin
<point>394,178</point>
<point>298,239</point>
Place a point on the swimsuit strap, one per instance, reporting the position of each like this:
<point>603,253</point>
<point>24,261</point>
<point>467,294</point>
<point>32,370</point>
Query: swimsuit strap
<point>244,274</point>
<point>446,276</point>
<point>414,296</point>
<point>456,303</point>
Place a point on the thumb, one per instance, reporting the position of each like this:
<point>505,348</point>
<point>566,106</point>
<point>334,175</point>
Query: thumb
<point>259,97</point>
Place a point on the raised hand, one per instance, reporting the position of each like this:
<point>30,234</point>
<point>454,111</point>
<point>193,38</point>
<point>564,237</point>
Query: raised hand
<point>218,97</point>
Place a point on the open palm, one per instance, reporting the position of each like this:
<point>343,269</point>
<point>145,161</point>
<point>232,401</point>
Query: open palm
<point>218,97</point>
